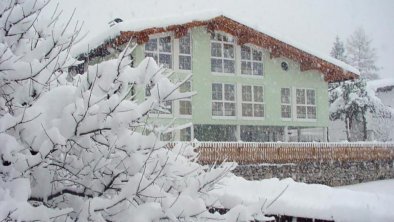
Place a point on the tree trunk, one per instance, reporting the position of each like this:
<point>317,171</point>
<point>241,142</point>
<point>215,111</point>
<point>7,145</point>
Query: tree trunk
<point>347,129</point>
<point>365,136</point>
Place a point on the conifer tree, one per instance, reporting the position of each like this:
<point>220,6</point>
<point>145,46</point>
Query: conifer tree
<point>361,55</point>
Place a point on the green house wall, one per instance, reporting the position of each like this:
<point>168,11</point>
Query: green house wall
<point>273,80</point>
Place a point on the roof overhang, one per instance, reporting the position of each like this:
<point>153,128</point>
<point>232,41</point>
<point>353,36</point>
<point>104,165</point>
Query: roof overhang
<point>244,34</point>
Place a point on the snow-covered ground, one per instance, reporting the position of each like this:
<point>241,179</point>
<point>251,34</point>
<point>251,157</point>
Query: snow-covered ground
<point>363,202</point>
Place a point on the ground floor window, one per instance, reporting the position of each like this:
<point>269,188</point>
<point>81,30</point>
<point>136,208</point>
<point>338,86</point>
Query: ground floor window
<point>215,132</point>
<point>261,134</point>
<point>166,136</point>
<point>185,134</point>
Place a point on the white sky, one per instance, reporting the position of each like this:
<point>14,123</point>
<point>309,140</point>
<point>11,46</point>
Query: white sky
<point>314,23</point>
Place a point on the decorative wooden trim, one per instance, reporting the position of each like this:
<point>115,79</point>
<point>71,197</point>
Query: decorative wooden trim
<point>245,34</point>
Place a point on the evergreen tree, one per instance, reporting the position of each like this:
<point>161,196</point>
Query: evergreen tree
<point>338,50</point>
<point>352,103</point>
<point>361,55</point>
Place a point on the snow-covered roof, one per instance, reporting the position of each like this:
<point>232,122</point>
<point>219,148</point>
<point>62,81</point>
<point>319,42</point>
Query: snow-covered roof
<point>375,85</point>
<point>163,22</point>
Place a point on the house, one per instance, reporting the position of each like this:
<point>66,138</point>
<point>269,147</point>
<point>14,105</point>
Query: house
<point>251,85</point>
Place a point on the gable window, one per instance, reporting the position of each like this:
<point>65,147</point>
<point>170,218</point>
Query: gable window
<point>252,101</point>
<point>185,52</point>
<point>185,105</point>
<point>222,53</point>
<point>251,61</point>
<point>285,99</point>
<point>160,49</point>
<point>306,104</point>
<point>223,99</point>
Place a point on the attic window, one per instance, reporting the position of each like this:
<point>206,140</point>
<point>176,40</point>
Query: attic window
<point>160,49</point>
<point>284,66</point>
<point>222,53</point>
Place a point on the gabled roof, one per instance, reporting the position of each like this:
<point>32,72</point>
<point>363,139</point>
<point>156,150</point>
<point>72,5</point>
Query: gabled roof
<point>333,69</point>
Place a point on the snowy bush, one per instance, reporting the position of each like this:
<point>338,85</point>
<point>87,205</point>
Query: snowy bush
<point>73,147</point>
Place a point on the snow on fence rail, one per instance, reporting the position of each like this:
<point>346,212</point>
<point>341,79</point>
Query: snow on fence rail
<point>280,152</point>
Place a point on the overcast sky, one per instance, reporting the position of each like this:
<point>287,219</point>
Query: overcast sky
<point>314,23</point>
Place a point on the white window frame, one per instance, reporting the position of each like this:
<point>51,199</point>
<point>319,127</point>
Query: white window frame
<point>253,102</point>
<point>287,104</point>
<point>306,105</point>
<point>251,60</point>
<point>177,54</point>
<point>224,101</point>
<point>158,36</point>
<point>186,99</point>
<point>222,58</point>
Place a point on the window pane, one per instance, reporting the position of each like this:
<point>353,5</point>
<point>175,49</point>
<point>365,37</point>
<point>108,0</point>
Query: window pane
<point>258,93</point>
<point>301,112</point>
<point>216,65</point>
<point>311,112</point>
<point>185,87</point>
<point>257,55</point>
<point>247,109</point>
<point>228,66</point>
<point>185,134</point>
<point>246,68</point>
<point>285,95</point>
<point>185,62</point>
<point>151,45</point>
<point>310,95</point>
<point>228,51</point>
<point>258,110</point>
<point>300,94</point>
<point>229,92</point>
<point>166,136</point>
<point>168,106</point>
<point>246,93</point>
<point>217,109</point>
<point>165,44</point>
<point>245,52</point>
<point>185,107</point>
<point>216,49</point>
<point>229,109</point>
<point>184,44</point>
<point>165,60</point>
<point>217,91</point>
<point>286,111</point>
<point>216,36</point>
<point>258,68</point>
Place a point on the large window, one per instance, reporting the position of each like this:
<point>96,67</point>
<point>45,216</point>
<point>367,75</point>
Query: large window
<point>251,61</point>
<point>252,101</point>
<point>185,105</point>
<point>285,100</point>
<point>185,52</point>
<point>160,49</point>
<point>223,99</point>
<point>222,53</point>
<point>306,103</point>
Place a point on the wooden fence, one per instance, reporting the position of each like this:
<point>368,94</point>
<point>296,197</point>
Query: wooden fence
<point>255,153</point>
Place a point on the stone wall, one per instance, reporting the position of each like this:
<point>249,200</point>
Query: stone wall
<point>335,173</point>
